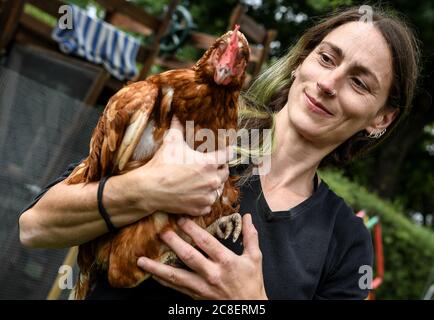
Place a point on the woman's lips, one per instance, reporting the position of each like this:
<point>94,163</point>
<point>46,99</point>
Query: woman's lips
<point>316,106</point>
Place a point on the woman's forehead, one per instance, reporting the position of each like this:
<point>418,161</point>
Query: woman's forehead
<point>363,44</point>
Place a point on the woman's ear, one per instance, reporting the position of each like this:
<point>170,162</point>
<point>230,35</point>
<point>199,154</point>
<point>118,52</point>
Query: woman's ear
<point>383,120</point>
<point>295,72</point>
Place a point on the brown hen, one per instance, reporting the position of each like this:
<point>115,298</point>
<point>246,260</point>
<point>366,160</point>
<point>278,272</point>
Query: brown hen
<point>128,134</point>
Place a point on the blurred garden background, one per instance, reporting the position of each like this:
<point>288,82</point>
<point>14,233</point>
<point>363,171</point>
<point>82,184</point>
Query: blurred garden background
<point>394,185</point>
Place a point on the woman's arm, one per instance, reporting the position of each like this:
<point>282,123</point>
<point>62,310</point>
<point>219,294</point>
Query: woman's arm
<point>68,215</point>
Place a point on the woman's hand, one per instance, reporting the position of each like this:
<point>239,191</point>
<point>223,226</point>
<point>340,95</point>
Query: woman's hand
<point>179,179</point>
<point>224,275</point>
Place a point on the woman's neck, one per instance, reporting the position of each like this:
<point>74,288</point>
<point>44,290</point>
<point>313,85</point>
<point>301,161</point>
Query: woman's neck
<point>294,161</point>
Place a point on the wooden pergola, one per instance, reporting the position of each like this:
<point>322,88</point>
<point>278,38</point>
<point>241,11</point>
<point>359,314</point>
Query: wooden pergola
<point>21,27</point>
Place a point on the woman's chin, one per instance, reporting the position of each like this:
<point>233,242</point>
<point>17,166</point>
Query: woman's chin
<point>309,128</point>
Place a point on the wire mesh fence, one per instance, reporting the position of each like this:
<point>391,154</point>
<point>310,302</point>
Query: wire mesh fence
<point>44,126</point>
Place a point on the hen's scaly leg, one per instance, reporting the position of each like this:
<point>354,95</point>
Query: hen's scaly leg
<point>224,226</point>
<point>171,259</point>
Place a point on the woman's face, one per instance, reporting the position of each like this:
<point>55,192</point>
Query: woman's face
<point>342,86</point>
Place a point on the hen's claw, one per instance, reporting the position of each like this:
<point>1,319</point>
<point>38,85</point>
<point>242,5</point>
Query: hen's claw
<point>171,259</point>
<point>224,226</point>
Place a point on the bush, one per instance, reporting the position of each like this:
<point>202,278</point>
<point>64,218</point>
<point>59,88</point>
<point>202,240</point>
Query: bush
<point>408,248</point>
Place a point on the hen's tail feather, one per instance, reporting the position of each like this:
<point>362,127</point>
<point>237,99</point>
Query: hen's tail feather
<point>85,261</point>
<point>82,287</point>
<point>92,259</point>
<point>92,168</point>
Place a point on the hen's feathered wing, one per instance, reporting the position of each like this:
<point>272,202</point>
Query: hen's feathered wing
<point>118,132</point>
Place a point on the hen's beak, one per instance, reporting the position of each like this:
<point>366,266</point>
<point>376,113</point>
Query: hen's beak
<point>223,75</point>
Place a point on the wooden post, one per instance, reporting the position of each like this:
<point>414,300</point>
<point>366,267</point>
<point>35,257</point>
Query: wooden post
<point>70,258</point>
<point>9,18</point>
<point>96,88</point>
<point>154,48</point>
<point>270,36</point>
<point>236,15</point>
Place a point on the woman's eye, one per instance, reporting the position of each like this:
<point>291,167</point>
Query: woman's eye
<point>326,59</point>
<point>359,83</point>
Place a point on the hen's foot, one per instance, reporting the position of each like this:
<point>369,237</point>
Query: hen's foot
<point>224,226</point>
<point>171,259</point>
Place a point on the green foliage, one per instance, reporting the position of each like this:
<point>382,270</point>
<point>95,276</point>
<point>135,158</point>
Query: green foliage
<point>322,5</point>
<point>408,248</point>
<point>153,7</point>
<point>40,15</point>
<point>80,3</point>
<point>189,53</point>
<point>417,189</point>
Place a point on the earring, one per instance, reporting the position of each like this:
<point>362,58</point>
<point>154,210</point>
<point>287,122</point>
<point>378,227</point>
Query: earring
<point>374,134</point>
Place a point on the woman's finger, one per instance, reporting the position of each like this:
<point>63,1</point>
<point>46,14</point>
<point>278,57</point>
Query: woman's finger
<point>175,276</point>
<point>219,157</point>
<point>223,172</point>
<point>176,124</point>
<point>187,253</point>
<point>250,236</point>
<point>204,240</point>
<point>175,132</point>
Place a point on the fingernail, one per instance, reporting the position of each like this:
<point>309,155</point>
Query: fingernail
<point>141,262</point>
<point>181,221</point>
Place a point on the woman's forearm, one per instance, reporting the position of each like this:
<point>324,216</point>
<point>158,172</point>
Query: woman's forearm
<point>68,215</point>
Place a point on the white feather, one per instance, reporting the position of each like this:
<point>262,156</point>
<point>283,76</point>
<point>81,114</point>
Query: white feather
<point>147,145</point>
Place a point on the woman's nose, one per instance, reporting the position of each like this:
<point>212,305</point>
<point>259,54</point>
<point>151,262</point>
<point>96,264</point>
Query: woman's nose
<point>327,85</point>
<point>327,90</point>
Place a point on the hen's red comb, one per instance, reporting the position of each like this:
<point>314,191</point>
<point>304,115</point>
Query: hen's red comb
<point>234,39</point>
<point>230,53</point>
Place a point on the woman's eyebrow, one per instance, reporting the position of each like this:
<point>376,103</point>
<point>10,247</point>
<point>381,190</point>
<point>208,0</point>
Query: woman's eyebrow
<point>335,48</point>
<point>357,66</point>
<point>364,70</point>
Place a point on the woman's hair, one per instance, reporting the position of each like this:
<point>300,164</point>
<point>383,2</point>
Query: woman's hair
<point>269,93</point>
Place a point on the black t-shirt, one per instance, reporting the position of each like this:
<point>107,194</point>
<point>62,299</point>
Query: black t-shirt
<point>312,251</point>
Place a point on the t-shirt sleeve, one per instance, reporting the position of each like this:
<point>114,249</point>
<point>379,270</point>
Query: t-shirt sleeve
<point>62,177</point>
<point>347,278</point>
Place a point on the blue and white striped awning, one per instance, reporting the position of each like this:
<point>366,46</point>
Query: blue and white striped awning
<point>99,42</point>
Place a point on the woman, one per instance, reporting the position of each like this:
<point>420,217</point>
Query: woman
<point>339,92</point>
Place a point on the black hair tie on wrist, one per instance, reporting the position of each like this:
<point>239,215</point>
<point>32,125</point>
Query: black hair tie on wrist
<point>101,208</point>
